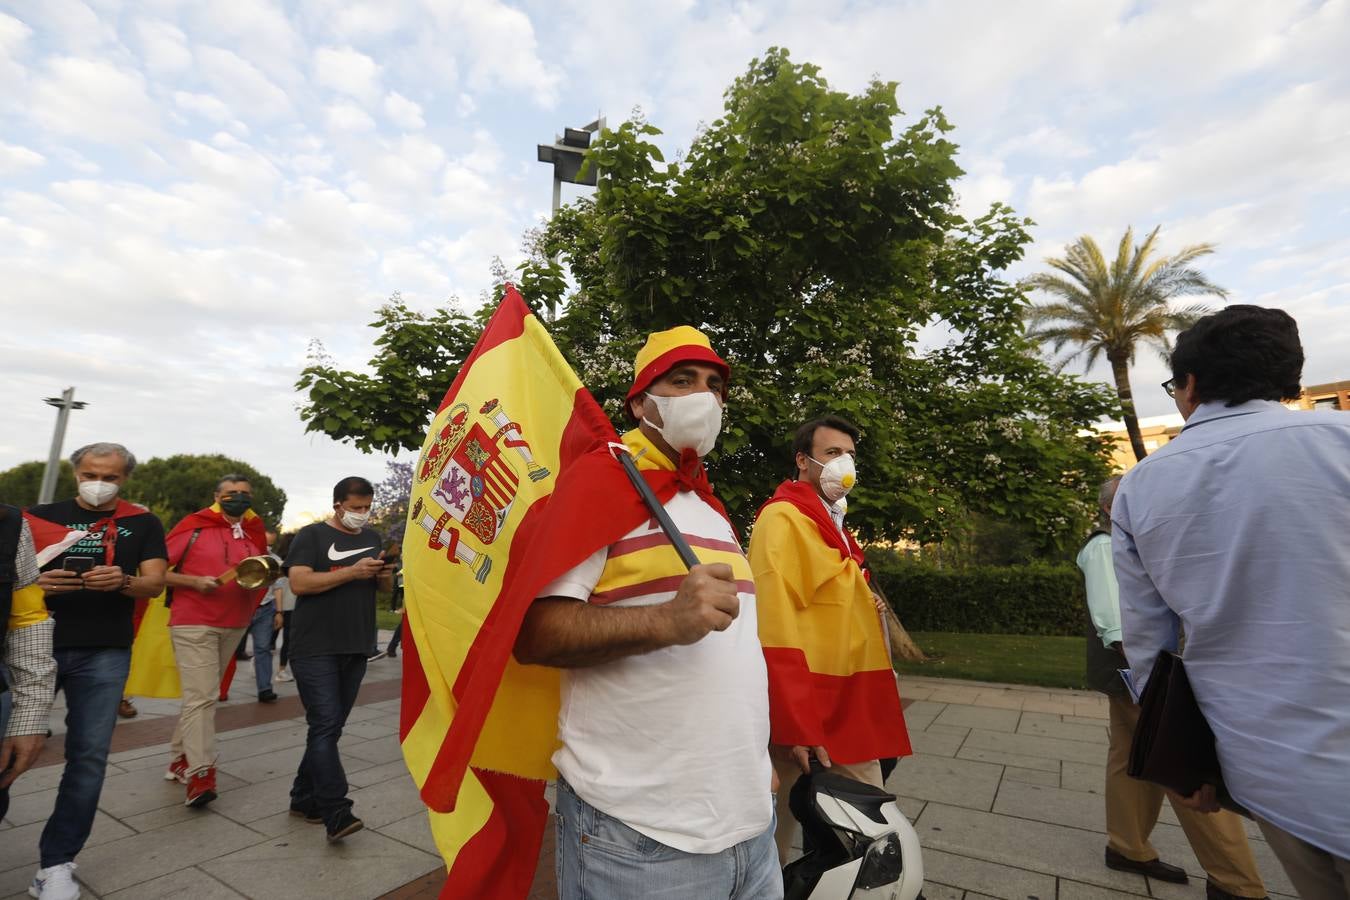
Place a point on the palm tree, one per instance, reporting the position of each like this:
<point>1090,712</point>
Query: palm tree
<point>1110,309</point>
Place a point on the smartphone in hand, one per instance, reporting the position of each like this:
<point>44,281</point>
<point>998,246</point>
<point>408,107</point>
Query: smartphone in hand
<point>78,565</point>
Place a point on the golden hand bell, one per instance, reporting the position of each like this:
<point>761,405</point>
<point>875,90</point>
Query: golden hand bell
<point>253,572</point>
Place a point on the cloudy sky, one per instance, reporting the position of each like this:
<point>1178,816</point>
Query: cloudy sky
<point>190,192</point>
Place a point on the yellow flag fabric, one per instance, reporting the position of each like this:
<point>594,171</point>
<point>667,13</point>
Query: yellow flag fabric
<point>154,673</point>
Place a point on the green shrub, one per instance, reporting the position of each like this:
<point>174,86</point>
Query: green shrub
<point>1037,598</point>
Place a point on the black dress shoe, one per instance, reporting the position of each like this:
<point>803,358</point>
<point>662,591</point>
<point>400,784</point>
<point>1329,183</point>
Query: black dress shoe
<point>1214,892</point>
<point>1154,868</point>
<point>267,697</point>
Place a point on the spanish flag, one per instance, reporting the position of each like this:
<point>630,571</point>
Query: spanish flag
<point>515,485</point>
<point>830,678</point>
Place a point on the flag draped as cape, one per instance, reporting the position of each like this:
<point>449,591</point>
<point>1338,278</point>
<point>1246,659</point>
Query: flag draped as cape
<point>516,484</point>
<point>830,678</point>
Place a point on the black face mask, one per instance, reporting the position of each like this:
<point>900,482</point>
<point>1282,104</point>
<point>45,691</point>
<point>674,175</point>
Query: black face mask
<point>236,504</point>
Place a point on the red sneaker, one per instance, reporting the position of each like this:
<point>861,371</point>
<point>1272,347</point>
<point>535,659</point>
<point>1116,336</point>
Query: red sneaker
<point>177,770</point>
<point>201,788</point>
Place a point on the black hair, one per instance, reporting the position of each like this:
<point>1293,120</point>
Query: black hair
<point>1241,353</point>
<point>352,486</point>
<point>233,478</point>
<point>805,438</point>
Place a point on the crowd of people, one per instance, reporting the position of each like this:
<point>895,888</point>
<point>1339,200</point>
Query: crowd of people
<point>693,700</point>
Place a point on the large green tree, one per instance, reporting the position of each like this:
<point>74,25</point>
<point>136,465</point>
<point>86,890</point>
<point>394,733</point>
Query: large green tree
<point>1109,309</point>
<point>20,485</point>
<point>174,486</point>
<point>813,243</point>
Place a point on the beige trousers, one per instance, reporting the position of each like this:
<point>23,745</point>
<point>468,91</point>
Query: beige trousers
<point>1316,874</point>
<point>1132,808</point>
<point>788,773</point>
<point>202,653</point>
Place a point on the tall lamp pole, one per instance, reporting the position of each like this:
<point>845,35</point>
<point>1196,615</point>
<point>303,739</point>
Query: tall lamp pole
<point>64,404</point>
<point>566,154</point>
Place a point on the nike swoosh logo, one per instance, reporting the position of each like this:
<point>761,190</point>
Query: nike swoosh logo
<point>337,555</point>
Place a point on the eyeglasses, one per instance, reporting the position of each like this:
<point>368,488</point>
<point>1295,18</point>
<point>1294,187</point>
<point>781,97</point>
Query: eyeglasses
<point>1170,387</point>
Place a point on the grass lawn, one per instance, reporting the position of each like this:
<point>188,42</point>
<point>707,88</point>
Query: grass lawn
<point>1012,658</point>
<point>385,619</point>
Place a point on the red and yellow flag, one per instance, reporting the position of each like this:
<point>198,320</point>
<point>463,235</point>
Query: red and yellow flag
<point>830,678</point>
<point>514,486</point>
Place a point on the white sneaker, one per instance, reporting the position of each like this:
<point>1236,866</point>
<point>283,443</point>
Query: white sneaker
<point>284,675</point>
<point>55,883</point>
<point>378,654</point>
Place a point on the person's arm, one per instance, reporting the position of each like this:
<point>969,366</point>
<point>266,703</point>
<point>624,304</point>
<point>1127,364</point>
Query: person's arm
<point>566,633</point>
<point>202,584</point>
<point>1150,625</point>
<point>305,581</point>
<point>32,675</point>
<point>1103,593</point>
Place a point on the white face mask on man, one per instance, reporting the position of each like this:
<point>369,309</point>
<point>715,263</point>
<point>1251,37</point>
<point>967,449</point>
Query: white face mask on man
<point>689,422</point>
<point>97,493</point>
<point>837,477</point>
<point>355,521</point>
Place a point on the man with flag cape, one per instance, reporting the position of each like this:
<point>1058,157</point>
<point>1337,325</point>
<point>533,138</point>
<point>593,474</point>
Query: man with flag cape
<point>209,614</point>
<point>521,493</point>
<point>98,554</point>
<point>832,689</point>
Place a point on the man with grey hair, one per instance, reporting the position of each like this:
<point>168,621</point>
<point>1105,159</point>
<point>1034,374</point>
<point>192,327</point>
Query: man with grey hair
<point>208,617</point>
<point>98,554</point>
<point>1132,806</point>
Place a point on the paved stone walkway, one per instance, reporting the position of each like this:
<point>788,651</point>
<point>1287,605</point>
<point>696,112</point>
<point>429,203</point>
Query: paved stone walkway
<point>1004,790</point>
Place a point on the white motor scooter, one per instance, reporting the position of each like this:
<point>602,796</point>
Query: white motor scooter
<point>859,845</point>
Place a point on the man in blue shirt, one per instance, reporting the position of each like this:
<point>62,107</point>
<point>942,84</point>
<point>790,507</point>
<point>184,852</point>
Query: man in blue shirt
<point>1236,532</point>
<point>1132,806</point>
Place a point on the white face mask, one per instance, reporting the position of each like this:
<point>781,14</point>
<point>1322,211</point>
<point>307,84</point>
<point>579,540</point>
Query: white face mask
<point>97,493</point>
<point>355,521</point>
<point>837,477</point>
<point>692,421</point>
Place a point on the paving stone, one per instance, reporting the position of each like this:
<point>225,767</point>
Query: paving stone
<point>19,847</point>
<point>1034,846</point>
<point>1086,777</point>
<point>160,818</point>
<point>1000,700</point>
<point>1009,759</point>
<point>1082,720</point>
<point>1047,725</point>
<point>144,857</point>
<point>380,750</point>
<point>1091,709</point>
<point>1172,846</point>
<point>920,714</point>
<point>953,781</point>
<point>192,883</point>
<point>368,729</point>
<point>1052,804</point>
<point>990,879</point>
<point>948,729</point>
<point>301,866</point>
<point>137,792</point>
<point>375,774</point>
<point>936,743</point>
<point>265,766</point>
<point>414,830</point>
<point>255,801</point>
<point>979,717</point>
<point>1031,776</point>
<point>386,802</point>
<point>1061,707</point>
<point>1074,890</point>
<point>934,891</point>
<point>244,746</point>
<point>964,696</point>
<point>34,807</point>
<point>1027,745</point>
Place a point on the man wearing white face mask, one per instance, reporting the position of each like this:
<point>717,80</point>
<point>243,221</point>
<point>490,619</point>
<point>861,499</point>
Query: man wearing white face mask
<point>99,553</point>
<point>664,773</point>
<point>832,691</point>
<point>334,567</point>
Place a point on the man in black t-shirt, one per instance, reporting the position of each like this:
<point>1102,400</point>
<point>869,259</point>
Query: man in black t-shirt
<point>334,568</point>
<point>90,588</point>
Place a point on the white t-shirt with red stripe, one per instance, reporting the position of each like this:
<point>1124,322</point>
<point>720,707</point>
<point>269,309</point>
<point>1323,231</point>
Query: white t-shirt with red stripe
<point>673,743</point>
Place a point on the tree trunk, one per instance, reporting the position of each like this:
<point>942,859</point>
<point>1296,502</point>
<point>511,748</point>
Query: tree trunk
<point>1120,369</point>
<point>902,645</point>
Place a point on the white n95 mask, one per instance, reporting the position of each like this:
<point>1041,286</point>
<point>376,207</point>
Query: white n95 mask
<point>97,493</point>
<point>691,421</point>
<point>837,477</point>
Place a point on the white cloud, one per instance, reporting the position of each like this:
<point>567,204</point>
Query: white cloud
<point>93,100</point>
<point>165,46</point>
<point>403,112</point>
<point>15,159</point>
<point>349,72</point>
<point>348,117</point>
<point>243,85</point>
<point>204,105</point>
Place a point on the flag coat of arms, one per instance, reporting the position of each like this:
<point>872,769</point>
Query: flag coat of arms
<point>515,484</point>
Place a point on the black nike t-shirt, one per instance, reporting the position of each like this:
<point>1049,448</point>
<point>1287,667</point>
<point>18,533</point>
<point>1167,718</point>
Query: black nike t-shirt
<point>99,618</point>
<point>341,619</point>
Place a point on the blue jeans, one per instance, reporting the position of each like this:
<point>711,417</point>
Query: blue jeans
<point>328,687</point>
<point>261,629</point>
<point>600,858</point>
<point>396,638</point>
<point>4,723</point>
<point>92,679</point>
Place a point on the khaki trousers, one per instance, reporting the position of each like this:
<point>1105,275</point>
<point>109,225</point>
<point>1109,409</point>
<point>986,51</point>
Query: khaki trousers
<point>788,773</point>
<point>1316,874</point>
<point>202,653</point>
<point>1132,808</point>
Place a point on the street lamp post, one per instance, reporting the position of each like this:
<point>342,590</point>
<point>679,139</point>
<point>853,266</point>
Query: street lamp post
<point>566,154</point>
<point>64,404</point>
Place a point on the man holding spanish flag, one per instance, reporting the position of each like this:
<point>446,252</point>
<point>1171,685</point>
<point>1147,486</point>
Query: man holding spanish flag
<point>664,775</point>
<point>832,691</point>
